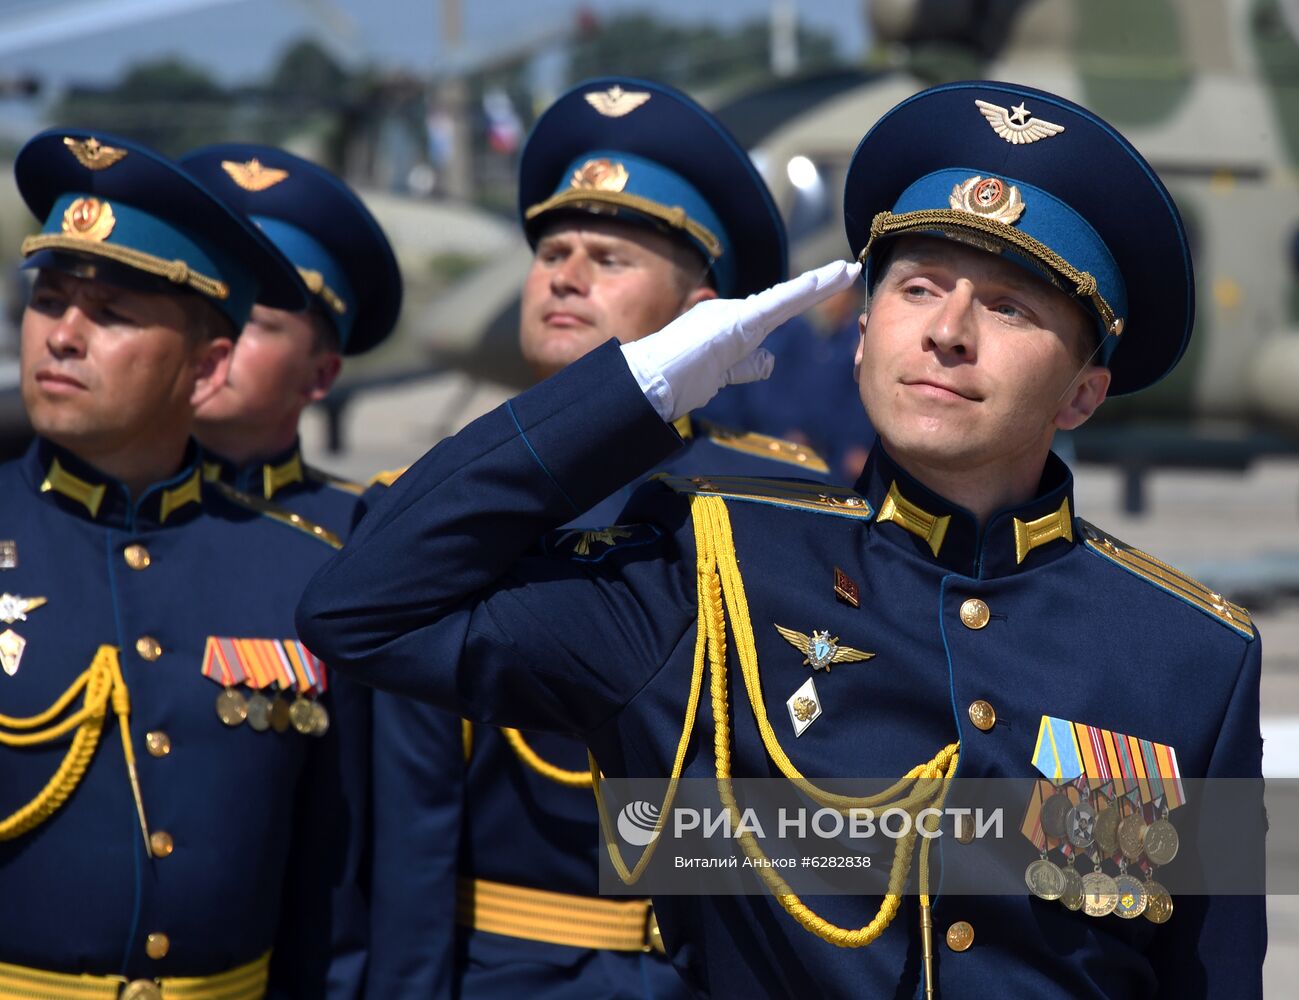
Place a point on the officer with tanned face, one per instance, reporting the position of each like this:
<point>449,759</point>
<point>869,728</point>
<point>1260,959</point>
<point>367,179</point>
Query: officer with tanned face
<point>184,782</point>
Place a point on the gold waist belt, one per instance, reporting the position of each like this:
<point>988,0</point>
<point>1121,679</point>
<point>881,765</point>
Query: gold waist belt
<point>556,917</point>
<point>247,982</point>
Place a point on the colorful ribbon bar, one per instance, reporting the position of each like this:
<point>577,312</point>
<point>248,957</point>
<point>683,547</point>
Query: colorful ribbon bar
<point>263,662</point>
<point>1136,767</point>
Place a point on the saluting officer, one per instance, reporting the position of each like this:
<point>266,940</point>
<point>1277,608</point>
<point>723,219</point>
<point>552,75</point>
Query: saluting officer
<point>182,797</point>
<point>1023,261</point>
<point>284,359</point>
<point>638,205</point>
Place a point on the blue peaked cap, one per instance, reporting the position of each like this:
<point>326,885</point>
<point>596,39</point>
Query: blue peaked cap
<point>110,200</point>
<point>1050,186</point>
<point>642,151</point>
<point>321,225</point>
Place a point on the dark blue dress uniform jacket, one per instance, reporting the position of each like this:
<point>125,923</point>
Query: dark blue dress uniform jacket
<point>263,824</point>
<point>438,817</point>
<point>443,594</point>
<point>289,482</point>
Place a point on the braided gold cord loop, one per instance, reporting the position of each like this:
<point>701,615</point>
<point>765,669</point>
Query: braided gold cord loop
<point>98,681</point>
<point>1084,283</point>
<point>713,538</point>
<point>543,767</point>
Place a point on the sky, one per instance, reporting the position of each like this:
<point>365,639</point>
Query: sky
<point>92,41</point>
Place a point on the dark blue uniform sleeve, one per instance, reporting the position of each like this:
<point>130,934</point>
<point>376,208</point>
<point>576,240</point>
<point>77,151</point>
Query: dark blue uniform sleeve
<point>419,766</point>
<point>321,945</point>
<point>1214,944</point>
<point>436,596</point>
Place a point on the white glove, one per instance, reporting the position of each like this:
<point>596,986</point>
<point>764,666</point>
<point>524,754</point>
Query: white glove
<point>681,367</point>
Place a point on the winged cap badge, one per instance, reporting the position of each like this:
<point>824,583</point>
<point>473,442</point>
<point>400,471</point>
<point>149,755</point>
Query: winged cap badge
<point>616,102</point>
<point>819,650</point>
<point>253,176</point>
<point>1016,125</point>
<point>92,154</point>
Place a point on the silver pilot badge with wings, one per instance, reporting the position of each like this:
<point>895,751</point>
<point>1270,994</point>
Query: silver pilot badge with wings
<point>819,650</point>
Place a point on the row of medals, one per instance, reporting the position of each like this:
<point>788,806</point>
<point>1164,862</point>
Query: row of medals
<point>306,715</point>
<point>1103,834</point>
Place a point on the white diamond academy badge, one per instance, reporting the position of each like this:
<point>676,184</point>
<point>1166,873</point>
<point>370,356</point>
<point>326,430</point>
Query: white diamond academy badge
<point>804,706</point>
<point>14,608</point>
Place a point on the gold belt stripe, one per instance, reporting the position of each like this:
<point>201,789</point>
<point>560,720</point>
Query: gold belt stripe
<point>246,982</point>
<point>554,917</point>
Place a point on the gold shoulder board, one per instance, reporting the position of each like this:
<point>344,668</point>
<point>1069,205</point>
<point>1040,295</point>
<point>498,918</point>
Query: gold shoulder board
<point>1167,578</point>
<point>819,497</point>
<point>277,513</point>
<point>752,443</point>
<point>338,482</point>
<point>388,476</point>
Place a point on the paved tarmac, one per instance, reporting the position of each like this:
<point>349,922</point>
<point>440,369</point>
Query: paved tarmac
<point>1236,532</point>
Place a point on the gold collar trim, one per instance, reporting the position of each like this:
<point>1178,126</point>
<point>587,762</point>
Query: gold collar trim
<point>60,480</point>
<point>930,528</point>
<point>190,491</point>
<point>1030,534</point>
<point>276,477</point>
<point>683,427</point>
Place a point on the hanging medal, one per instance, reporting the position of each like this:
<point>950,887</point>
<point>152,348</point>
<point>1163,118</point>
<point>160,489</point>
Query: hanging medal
<point>220,664</point>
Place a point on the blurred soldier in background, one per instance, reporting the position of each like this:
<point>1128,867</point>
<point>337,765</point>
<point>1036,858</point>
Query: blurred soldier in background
<point>285,360</point>
<point>638,205</point>
<point>199,835</point>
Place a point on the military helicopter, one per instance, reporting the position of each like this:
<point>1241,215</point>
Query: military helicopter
<point>1210,95</point>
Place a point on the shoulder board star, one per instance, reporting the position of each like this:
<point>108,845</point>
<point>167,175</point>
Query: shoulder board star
<point>819,497</point>
<point>819,650</point>
<point>276,513</point>
<point>1011,125</point>
<point>1168,579</point>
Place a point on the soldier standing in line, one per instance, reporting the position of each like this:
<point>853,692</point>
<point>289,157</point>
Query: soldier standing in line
<point>638,205</point>
<point>285,360</point>
<point>184,782</point>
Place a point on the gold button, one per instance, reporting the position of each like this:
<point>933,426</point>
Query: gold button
<point>148,648</point>
<point>161,844</point>
<point>157,945</point>
<point>965,829</point>
<point>136,556</point>
<point>159,743</point>
<point>983,715</point>
<point>960,936</point>
<point>142,989</point>
<point>974,614</point>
